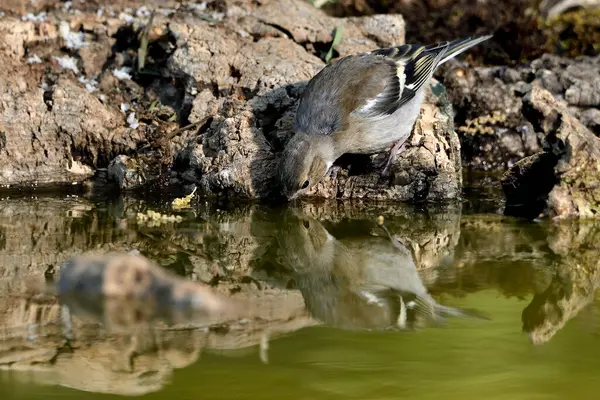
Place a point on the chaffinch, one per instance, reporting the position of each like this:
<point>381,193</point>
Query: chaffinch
<point>362,104</point>
<point>362,281</point>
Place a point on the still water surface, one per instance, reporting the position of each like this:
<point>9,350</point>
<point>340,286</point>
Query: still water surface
<point>327,285</point>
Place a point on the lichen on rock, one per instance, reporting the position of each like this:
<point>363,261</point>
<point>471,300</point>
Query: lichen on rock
<point>493,131</point>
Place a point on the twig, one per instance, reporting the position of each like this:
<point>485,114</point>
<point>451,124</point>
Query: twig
<point>392,239</point>
<point>176,132</point>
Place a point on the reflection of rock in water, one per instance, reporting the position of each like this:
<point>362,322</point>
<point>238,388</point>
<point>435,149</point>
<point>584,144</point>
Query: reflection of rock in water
<point>497,252</point>
<point>355,283</point>
<point>96,360</point>
<point>135,283</point>
<point>108,333</point>
<point>431,234</point>
<point>574,284</point>
<point>133,355</point>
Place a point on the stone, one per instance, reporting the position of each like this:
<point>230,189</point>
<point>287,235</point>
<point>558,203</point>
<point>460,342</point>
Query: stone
<point>562,180</point>
<point>494,134</point>
<point>235,72</point>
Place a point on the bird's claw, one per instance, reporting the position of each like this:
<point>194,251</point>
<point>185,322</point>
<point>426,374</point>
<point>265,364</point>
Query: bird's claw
<point>398,148</point>
<point>333,172</point>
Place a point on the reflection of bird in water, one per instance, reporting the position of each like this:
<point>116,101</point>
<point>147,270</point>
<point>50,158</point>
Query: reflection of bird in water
<point>366,282</point>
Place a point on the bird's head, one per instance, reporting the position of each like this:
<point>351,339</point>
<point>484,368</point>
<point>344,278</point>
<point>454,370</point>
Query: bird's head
<point>304,162</point>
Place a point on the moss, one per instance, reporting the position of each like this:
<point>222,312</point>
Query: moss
<point>483,125</point>
<point>574,33</point>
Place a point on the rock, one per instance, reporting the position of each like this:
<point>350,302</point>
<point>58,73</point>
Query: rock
<point>237,154</point>
<point>234,69</point>
<point>563,179</point>
<point>94,56</point>
<point>132,172</point>
<point>120,277</point>
<point>493,132</point>
<point>591,119</point>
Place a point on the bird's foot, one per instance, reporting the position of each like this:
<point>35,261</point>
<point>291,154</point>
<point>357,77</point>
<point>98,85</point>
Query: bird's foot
<point>398,148</point>
<point>402,315</point>
<point>333,172</point>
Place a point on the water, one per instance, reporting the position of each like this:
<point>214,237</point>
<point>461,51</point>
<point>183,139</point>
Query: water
<point>323,282</point>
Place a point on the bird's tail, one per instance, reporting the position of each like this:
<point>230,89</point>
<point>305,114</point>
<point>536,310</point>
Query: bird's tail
<point>437,312</point>
<point>455,47</point>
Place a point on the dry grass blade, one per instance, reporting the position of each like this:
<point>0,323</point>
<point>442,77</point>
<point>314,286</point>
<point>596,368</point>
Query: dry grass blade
<point>143,49</point>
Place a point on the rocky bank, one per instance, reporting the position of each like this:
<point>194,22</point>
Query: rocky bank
<point>75,106</point>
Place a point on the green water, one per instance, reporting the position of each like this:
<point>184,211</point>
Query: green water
<point>537,277</point>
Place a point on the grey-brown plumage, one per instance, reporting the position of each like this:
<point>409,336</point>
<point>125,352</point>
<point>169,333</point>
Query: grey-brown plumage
<point>361,282</point>
<point>362,104</point>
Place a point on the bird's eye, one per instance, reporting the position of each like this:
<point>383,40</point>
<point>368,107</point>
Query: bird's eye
<point>305,184</point>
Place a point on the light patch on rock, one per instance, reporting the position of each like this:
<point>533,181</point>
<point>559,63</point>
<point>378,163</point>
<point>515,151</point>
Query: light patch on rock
<point>99,13</point>
<point>197,6</point>
<point>127,18</point>
<point>132,121</point>
<point>142,12</point>
<point>41,17</point>
<point>79,168</point>
<point>90,84</point>
<point>67,5</point>
<point>34,59</point>
<point>165,11</point>
<point>125,107</point>
<point>68,62</point>
<point>73,40</point>
<point>122,73</point>
<point>225,175</point>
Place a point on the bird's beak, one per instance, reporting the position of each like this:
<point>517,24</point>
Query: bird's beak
<point>293,197</point>
<point>290,196</point>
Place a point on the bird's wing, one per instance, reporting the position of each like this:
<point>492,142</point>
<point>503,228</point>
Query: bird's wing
<point>371,84</point>
<point>410,68</point>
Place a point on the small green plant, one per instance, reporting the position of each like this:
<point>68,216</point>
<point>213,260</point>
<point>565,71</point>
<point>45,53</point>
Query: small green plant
<point>337,38</point>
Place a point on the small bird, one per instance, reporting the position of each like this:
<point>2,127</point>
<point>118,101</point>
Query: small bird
<point>357,283</point>
<point>362,104</point>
